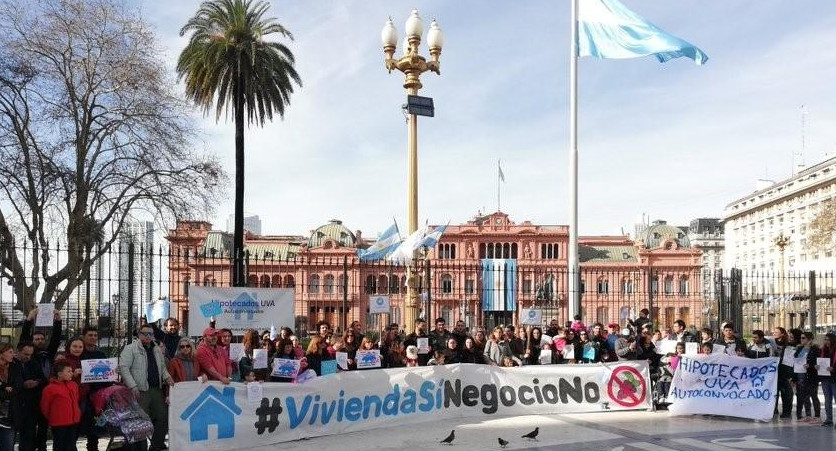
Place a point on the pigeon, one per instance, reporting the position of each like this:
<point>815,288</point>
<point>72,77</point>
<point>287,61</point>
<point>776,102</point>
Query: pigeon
<point>502,443</point>
<point>533,434</point>
<point>450,438</point>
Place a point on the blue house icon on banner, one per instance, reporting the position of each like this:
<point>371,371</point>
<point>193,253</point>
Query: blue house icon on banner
<point>212,408</point>
<point>245,303</point>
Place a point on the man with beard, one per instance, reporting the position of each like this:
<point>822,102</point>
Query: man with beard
<point>412,340</point>
<point>439,335</point>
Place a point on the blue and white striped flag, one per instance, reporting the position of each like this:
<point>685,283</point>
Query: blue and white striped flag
<point>607,29</point>
<point>385,244</point>
<point>499,284</point>
<point>433,237</point>
<point>405,252</point>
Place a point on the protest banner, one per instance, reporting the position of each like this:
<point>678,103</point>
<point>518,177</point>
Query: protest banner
<point>214,417</point>
<point>99,370</point>
<point>720,384</point>
<point>239,309</point>
<point>157,310</point>
<point>46,315</point>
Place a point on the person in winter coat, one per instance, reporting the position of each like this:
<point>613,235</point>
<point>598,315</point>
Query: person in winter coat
<point>828,383</point>
<point>183,367</point>
<point>807,387</point>
<point>60,406</point>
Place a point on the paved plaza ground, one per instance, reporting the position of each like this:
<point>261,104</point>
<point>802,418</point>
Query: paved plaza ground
<point>606,431</point>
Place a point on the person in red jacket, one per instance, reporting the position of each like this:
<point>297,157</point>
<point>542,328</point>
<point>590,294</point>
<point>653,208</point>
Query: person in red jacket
<point>212,360</point>
<point>59,405</point>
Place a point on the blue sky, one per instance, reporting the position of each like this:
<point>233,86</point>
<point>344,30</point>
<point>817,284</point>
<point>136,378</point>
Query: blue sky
<point>673,140</point>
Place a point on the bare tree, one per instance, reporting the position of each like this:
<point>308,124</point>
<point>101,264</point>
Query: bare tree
<point>822,234</point>
<point>91,131</point>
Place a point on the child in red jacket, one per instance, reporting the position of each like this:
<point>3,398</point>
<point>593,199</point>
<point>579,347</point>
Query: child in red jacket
<point>59,404</point>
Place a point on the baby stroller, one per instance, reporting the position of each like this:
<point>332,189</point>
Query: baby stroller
<point>120,415</point>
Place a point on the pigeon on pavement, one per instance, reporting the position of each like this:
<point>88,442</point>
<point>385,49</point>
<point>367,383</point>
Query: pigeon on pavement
<point>533,434</point>
<point>449,438</point>
<point>502,443</point>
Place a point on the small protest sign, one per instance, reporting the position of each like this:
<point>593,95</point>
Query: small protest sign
<point>46,315</point>
<point>423,346</point>
<point>822,364</point>
<point>379,304</point>
<point>546,357</point>
<point>718,349</point>
<point>259,359</point>
<point>569,352</point>
<point>368,359</point>
<point>692,348</point>
<point>788,359</point>
<point>285,368</point>
<point>342,360</point>
<point>667,347</point>
<point>799,365</point>
<point>99,370</point>
<point>254,393</point>
<point>589,353</point>
<point>210,309</point>
<point>731,349</point>
<point>157,310</point>
<point>531,316</point>
<point>328,367</point>
<point>236,351</point>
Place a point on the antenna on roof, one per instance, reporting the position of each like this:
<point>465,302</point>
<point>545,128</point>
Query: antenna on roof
<point>798,166</point>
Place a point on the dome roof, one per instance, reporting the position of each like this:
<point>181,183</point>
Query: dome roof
<point>659,232</point>
<point>334,230</point>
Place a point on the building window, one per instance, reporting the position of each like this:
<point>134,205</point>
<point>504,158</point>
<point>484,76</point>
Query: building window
<point>482,250</point>
<point>340,283</point>
<point>549,251</point>
<point>683,285</point>
<point>328,287</point>
<point>265,281</point>
<point>470,286</point>
<point>394,288</point>
<point>626,286</point>
<point>371,285</point>
<point>514,250</point>
<point>446,284</point>
<point>654,285</point>
<point>603,285</point>
<point>289,281</point>
<point>668,285</point>
<point>601,315</point>
<point>526,286</point>
<point>313,284</point>
<point>382,284</point>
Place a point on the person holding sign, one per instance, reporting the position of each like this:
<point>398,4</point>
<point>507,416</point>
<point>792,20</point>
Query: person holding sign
<point>807,387</point>
<point>827,376</point>
<point>284,351</point>
<point>143,370</point>
<point>734,345</point>
<point>412,340</point>
<point>317,352</point>
<point>760,347</point>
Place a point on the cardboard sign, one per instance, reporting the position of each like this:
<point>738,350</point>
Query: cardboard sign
<point>46,315</point>
<point>667,347</point>
<point>799,364</point>
<point>368,359</point>
<point>259,359</point>
<point>379,304</point>
<point>731,349</point>
<point>211,309</point>
<point>99,370</point>
<point>545,357</point>
<point>236,351</point>
<point>788,359</point>
<point>157,310</point>
<point>718,349</point>
<point>569,352</point>
<point>254,393</point>
<point>285,368</point>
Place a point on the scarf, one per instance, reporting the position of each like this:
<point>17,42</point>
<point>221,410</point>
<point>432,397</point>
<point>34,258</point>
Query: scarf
<point>188,367</point>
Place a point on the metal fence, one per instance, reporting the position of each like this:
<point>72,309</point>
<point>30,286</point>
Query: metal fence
<point>337,288</point>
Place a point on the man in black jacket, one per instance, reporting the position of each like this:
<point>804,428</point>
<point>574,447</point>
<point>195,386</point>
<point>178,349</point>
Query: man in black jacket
<point>28,381</point>
<point>439,335</point>
<point>168,336</point>
<point>43,357</point>
<point>412,340</point>
<point>90,336</point>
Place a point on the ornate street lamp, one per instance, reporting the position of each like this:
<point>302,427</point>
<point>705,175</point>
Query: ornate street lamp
<point>412,65</point>
<point>781,242</point>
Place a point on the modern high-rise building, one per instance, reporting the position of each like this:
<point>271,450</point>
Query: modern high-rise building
<point>139,282</point>
<point>252,224</point>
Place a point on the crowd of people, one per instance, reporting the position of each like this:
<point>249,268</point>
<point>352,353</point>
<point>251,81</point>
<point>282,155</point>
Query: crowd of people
<point>40,387</point>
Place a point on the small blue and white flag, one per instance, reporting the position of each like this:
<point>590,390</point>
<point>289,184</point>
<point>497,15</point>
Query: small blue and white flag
<point>607,29</point>
<point>433,237</point>
<point>405,252</point>
<point>385,244</point>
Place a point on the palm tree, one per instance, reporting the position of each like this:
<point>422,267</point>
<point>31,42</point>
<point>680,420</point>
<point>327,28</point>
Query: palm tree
<point>229,63</point>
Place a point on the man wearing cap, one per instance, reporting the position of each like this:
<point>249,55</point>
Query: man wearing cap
<point>625,346</point>
<point>213,362</point>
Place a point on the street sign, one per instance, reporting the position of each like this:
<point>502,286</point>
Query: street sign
<point>420,106</point>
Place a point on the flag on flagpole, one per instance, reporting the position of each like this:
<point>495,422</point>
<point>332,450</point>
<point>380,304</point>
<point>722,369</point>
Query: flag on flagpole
<point>501,174</point>
<point>404,253</point>
<point>433,237</point>
<point>385,244</point>
<point>607,29</point>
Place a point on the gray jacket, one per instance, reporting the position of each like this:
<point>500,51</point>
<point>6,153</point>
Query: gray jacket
<point>133,366</point>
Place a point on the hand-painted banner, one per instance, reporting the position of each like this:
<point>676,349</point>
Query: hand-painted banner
<point>720,384</point>
<point>239,309</point>
<point>217,417</point>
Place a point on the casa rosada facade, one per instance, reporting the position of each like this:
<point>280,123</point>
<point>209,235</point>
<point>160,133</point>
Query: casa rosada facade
<point>658,270</point>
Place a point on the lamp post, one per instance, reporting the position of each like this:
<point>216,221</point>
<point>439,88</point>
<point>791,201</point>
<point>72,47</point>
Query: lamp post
<point>781,242</point>
<point>412,65</point>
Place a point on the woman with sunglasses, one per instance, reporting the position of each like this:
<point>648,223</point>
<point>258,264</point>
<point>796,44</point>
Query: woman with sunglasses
<point>807,387</point>
<point>184,367</point>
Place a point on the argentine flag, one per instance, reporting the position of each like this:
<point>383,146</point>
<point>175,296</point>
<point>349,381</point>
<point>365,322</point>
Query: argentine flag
<point>433,237</point>
<point>607,29</point>
<point>386,243</point>
<point>405,252</point>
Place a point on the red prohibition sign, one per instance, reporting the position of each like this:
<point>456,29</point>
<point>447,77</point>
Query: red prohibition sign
<point>622,391</point>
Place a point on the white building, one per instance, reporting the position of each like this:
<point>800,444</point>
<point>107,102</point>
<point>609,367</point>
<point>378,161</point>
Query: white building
<point>782,209</point>
<point>707,235</point>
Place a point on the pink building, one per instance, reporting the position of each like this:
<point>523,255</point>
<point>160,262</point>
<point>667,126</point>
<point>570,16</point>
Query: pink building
<point>658,270</point>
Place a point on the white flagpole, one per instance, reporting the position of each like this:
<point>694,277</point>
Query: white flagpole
<point>574,307</point>
<point>498,181</point>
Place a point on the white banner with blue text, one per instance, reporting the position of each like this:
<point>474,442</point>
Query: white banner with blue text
<point>213,416</point>
<point>240,309</point>
<point>720,384</point>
